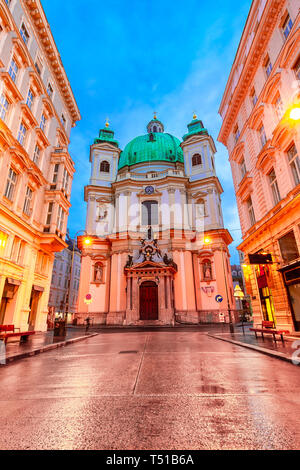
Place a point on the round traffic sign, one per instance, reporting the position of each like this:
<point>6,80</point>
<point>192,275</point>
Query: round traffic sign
<point>219,298</point>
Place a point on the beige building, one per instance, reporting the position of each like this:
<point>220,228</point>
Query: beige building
<point>262,96</point>
<point>37,112</point>
<point>65,281</point>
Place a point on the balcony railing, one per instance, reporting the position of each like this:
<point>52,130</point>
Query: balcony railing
<point>153,175</point>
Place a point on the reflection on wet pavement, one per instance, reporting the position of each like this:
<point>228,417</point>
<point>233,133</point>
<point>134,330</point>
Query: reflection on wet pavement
<point>150,390</point>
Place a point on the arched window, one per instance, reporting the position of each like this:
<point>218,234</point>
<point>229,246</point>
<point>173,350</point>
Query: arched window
<point>207,270</point>
<point>154,129</point>
<point>104,167</point>
<point>197,159</point>
<point>150,213</point>
<point>200,208</point>
<point>98,272</point>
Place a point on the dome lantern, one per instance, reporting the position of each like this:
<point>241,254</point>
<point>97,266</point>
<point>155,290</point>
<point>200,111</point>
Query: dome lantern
<point>155,125</point>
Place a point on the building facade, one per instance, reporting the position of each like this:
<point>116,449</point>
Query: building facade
<point>156,247</point>
<point>261,97</point>
<point>65,282</point>
<point>37,112</point>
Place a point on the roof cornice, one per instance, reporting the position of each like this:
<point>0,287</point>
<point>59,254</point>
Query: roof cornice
<point>37,14</point>
<point>264,29</point>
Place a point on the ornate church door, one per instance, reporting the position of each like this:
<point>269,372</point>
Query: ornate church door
<point>148,301</point>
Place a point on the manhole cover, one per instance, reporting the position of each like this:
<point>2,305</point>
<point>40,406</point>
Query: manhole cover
<point>128,352</point>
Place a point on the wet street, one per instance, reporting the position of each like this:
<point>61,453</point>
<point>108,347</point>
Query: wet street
<point>150,390</point>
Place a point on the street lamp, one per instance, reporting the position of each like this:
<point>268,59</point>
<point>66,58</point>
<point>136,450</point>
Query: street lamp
<point>3,239</point>
<point>294,114</point>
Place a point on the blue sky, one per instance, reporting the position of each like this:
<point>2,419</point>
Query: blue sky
<point>125,60</point>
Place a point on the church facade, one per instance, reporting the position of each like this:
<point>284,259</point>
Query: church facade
<point>155,250</point>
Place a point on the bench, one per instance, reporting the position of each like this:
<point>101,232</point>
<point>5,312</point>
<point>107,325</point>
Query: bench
<point>268,327</point>
<point>9,331</point>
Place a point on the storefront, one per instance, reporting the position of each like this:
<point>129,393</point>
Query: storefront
<point>291,277</point>
<point>265,294</point>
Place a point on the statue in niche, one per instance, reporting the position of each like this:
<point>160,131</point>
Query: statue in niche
<point>101,212</point>
<point>98,272</point>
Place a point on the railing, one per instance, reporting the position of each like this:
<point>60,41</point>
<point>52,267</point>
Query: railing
<point>150,175</point>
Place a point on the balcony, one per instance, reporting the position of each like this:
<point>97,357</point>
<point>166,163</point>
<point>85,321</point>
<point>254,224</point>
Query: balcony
<point>151,175</point>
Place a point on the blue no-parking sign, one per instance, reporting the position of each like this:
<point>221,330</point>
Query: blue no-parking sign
<point>219,298</point>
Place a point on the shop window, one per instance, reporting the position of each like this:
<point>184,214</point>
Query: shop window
<point>288,247</point>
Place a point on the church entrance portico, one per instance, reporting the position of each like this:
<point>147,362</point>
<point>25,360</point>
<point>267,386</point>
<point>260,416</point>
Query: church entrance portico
<point>148,301</point>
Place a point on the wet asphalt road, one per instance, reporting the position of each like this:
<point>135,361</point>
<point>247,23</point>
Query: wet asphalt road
<point>150,390</point>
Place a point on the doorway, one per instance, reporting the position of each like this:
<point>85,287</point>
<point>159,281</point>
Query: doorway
<point>34,302</point>
<point>294,291</point>
<point>149,301</point>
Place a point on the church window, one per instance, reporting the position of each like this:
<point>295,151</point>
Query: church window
<point>154,129</point>
<point>197,159</point>
<point>149,213</point>
<point>207,269</point>
<point>98,272</point>
<point>104,167</point>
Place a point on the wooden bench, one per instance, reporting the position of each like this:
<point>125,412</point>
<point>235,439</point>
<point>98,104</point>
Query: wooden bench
<point>9,331</point>
<point>268,327</point>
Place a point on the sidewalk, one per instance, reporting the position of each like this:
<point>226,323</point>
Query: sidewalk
<point>279,350</point>
<point>39,343</point>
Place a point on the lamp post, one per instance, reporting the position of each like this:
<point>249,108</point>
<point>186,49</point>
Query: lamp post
<point>239,294</point>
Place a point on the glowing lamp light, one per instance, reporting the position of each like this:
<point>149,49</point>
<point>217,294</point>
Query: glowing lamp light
<point>87,241</point>
<point>3,239</point>
<point>207,241</point>
<point>295,113</point>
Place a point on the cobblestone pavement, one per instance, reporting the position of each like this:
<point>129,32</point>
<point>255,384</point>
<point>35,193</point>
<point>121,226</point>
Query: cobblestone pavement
<point>150,390</point>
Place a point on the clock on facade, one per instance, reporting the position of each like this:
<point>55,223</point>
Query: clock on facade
<point>149,190</point>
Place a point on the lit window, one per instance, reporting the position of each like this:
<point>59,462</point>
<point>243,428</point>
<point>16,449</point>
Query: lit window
<point>274,186</point>
<point>55,173</point>
<point>149,213</point>
<point>36,155</point>
<point>196,160</point>
<point>294,163</point>
<point>262,136</point>
<point>236,133</point>
<point>253,97</point>
<point>10,184</point>
<point>60,218</point>
<point>29,100</point>
<point>297,68</point>
<point>279,107</point>
<point>65,183</point>
<point>288,247</point>
<point>22,133</point>
<point>104,167</point>
<point>43,123</point>
<point>50,90</point>
<point>24,33</point>
<point>287,26</point>
<point>13,70</point>
<point>251,211</point>
<point>49,213</point>
<point>268,66</point>
<point>3,107</point>
<point>28,200</point>
<point>243,168</point>
<point>38,65</point>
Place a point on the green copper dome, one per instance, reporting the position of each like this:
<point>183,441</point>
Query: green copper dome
<point>152,147</point>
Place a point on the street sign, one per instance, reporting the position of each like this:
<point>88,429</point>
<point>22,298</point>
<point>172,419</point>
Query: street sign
<point>221,317</point>
<point>219,298</point>
<point>258,258</point>
<point>88,299</point>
